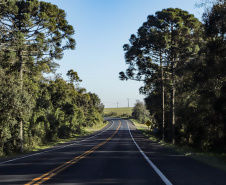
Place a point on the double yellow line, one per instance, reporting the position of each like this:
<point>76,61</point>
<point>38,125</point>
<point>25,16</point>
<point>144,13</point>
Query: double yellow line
<point>55,171</point>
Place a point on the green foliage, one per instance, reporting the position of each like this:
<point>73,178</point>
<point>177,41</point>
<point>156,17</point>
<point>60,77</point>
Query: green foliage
<point>35,110</point>
<point>139,111</point>
<point>53,113</point>
<point>141,114</point>
<point>73,76</point>
<point>33,35</point>
<point>193,60</point>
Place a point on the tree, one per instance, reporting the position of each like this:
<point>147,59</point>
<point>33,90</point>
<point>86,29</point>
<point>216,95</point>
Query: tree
<point>146,55</point>
<point>153,44</point>
<point>170,37</point>
<point>73,76</point>
<point>212,73</point>
<point>181,30</point>
<point>139,111</point>
<point>38,33</point>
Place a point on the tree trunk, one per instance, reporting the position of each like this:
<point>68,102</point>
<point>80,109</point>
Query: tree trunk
<point>163,99</point>
<point>20,57</point>
<point>21,88</point>
<point>173,103</point>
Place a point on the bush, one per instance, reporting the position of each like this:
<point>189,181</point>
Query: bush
<point>64,132</point>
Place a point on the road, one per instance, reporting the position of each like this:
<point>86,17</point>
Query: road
<point>118,154</point>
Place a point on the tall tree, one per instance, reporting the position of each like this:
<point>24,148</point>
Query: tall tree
<point>144,54</point>
<point>38,33</point>
<point>169,36</point>
<point>214,65</point>
<point>181,30</point>
<point>155,46</point>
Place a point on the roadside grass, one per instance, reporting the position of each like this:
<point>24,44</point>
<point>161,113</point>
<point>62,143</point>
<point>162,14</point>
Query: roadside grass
<point>53,143</point>
<point>217,160</point>
<point>139,126</point>
<point>85,131</point>
<point>96,127</point>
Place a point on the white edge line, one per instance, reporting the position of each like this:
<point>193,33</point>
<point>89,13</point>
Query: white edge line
<point>55,148</point>
<point>163,177</point>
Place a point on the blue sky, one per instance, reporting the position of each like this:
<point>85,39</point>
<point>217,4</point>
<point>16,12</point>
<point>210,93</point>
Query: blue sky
<point>102,27</point>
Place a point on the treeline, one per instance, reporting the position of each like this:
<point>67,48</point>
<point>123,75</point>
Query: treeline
<point>52,109</point>
<point>182,64</point>
<point>35,109</point>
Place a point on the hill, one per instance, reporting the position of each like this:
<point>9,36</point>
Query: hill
<point>118,111</point>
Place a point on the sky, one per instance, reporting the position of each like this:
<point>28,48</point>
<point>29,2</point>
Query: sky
<point>102,27</point>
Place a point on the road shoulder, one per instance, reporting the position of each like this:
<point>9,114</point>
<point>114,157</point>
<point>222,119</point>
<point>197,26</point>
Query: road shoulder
<point>176,166</point>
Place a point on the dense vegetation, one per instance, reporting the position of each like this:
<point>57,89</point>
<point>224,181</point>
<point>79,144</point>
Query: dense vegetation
<point>182,64</point>
<point>35,109</point>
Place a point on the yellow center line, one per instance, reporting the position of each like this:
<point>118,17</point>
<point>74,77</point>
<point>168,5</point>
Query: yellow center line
<point>55,171</point>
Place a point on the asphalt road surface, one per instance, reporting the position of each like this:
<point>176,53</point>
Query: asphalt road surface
<point>118,154</point>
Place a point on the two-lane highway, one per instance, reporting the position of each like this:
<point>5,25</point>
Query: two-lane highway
<point>119,154</point>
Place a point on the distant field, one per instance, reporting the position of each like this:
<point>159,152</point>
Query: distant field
<point>119,111</point>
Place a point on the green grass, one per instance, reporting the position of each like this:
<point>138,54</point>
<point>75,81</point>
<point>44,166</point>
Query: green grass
<point>217,160</point>
<point>119,111</point>
<point>54,143</point>
<point>58,141</point>
<point>86,131</point>
<point>96,127</point>
<point>139,126</point>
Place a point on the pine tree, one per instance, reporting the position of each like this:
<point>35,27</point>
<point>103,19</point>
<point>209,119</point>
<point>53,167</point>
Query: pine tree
<point>167,37</point>
<point>33,34</point>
